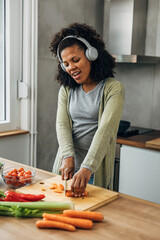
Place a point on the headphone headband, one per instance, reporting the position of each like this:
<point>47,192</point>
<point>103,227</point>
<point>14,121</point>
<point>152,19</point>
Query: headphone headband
<point>78,38</point>
<point>91,52</point>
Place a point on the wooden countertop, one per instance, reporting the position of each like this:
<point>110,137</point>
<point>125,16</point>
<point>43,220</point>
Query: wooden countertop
<point>154,143</point>
<point>125,218</point>
<point>140,140</point>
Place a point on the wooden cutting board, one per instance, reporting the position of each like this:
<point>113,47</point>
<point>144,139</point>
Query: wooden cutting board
<point>96,197</point>
<point>153,143</point>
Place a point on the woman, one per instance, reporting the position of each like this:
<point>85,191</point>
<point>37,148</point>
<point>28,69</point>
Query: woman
<point>90,104</point>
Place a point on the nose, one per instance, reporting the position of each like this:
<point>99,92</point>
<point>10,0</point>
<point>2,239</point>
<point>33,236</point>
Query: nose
<point>70,67</point>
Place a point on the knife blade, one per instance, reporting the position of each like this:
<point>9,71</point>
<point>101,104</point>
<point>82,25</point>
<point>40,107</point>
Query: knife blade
<point>65,187</point>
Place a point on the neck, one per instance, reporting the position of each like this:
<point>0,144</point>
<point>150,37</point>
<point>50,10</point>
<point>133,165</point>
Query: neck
<point>89,87</point>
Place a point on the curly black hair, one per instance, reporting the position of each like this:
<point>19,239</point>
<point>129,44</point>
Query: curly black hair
<point>101,68</point>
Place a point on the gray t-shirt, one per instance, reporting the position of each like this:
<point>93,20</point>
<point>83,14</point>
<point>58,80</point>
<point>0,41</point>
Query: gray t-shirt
<point>84,109</point>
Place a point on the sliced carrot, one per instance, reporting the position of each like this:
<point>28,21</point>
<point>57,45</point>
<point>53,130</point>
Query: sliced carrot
<point>77,222</point>
<point>58,190</point>
<point>61,186</point>
<point>43,189</point>
<point>54,184</point>
<point>69,193</point>
<point>94,216</point>
<point>54,224</point>
<point>52,187</point>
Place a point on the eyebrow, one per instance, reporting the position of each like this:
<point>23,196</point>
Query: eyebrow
<point>72,58</point>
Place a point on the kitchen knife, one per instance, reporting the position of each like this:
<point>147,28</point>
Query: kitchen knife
<point>65,187</point>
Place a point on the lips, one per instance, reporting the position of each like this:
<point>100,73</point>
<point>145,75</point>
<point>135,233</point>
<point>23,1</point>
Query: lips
<point>76,75</point>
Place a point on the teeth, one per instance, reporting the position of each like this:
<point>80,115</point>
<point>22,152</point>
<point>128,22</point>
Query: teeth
<point>75,74</point>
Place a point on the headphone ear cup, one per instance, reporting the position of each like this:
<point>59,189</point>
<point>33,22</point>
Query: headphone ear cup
<point>63,66</point>
<point>87,54</point>
<point>91,54</point>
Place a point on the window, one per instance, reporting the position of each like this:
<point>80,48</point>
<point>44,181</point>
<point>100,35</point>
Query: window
<point>10,62</point>
<point>18,64</point>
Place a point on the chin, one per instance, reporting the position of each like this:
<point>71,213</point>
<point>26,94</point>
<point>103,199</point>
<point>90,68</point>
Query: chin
<point>78,81</point>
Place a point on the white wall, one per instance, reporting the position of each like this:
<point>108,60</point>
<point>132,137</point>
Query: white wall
<point>16,148</point>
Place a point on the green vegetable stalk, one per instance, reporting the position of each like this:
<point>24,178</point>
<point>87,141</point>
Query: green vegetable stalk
<point>33,209</point>
<point>17,211</point>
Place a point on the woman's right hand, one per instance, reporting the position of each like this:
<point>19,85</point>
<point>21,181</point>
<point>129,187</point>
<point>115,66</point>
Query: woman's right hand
<point>67,168</point>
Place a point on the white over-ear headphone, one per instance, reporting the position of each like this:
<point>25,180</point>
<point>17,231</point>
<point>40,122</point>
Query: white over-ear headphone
<point>91,52</point>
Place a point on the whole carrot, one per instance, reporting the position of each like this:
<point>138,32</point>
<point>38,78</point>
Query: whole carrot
<point>54,224</point>
<point>77,222</point>
<point>94,216</point>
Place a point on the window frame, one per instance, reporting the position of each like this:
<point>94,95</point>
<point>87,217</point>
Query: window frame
<point>13,71</point>
<point>2,73</point>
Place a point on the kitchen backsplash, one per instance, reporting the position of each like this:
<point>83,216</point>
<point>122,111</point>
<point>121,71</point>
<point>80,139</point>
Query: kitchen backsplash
<point>142,94</point>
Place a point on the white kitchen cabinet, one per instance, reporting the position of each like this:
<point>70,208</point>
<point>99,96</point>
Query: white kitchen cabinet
<point>140,173</point>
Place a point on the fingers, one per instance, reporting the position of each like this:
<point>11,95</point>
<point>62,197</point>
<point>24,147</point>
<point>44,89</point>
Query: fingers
<point>80,181</point>
<point>70,175</point>
<point>62,172</point>
<point>66,173</point>
<point>62,169</point>
<point>78,187</point>
<point>76,190</point>
<point>67,168</point>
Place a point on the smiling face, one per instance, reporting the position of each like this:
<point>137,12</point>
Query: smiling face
<point>76,64</point>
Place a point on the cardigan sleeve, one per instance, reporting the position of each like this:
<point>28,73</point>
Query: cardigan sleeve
<point>113,99</point>
<point>63,125</point>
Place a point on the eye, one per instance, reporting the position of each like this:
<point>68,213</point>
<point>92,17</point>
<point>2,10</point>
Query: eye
<point>76,59</point>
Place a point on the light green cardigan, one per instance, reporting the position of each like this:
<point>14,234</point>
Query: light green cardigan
<point>101,154</point>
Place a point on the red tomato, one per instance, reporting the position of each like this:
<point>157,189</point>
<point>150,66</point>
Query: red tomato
<point>26,176</point>
<point>20,174</point>
<point>20,169</point>
<point>14,170</point>
<point>14,174</point>
<point>13,180</point>
<point>17,184</point>
<point>29,172</point>
<point>18,177</point>
<point>22,179</point>
<point>9,173</point>
<point>28,180</point>
<point>8,182</point>
<point>8,176</point>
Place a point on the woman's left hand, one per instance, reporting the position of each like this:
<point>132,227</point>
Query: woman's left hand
<point>79,182</point>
